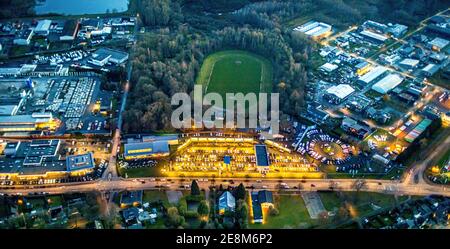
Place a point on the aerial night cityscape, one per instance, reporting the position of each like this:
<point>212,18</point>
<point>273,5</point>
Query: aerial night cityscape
<point>235,115</point>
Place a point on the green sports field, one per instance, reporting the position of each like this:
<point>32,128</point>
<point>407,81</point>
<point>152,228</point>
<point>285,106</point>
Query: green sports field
<point>235,71</point>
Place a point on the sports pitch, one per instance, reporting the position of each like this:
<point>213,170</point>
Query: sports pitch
<point>235,71</point>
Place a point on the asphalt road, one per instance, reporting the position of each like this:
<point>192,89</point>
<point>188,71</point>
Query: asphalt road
<point>380,186</point>
<point>111,171</point>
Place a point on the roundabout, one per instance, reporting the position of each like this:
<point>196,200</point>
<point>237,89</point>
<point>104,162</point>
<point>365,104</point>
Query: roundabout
<point>326,149</point>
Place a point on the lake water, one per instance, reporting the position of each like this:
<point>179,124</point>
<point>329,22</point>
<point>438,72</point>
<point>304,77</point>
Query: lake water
<point>80,7</point>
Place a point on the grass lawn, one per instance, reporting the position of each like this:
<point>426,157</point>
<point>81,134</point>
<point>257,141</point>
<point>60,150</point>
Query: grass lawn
<point>19,50</point>
<point>54,200</point>
<point>140,172</point>
<point>359,202</point>
<point>235,71</point>
<point>443,160</point>
<point>3,210</point>
<point>155,195</point>
<point>293,214</point>
<point>37,202</point>
<point>193,223</point>
<point>159,224</point>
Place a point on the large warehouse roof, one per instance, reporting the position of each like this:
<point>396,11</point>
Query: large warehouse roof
<point>341,91</point>
<point>387,83</point>
<point>409,62</point>
<point>373,35</point>
<point>262,158</point>
<point>329,67</point>
<point>43,26</point>
<point>146,148</point>
<point>313,28</point>
<point>373,74</point>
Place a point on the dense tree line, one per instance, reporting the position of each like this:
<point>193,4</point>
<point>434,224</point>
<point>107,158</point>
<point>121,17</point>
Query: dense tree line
<point>16,8</point>
<point>156,12</point>
<point>340,13</point>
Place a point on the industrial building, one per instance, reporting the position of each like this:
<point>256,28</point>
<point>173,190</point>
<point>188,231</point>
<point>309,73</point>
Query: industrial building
<point>352,126</point>
<point>372,75</point>
<point>409,63</point>
<point>40,159</point>
<point>362,68</point>
<point>430,69</point>
<point>336,94</point>
<point>443,31</point>
<point>23,38</point>
<point>146,150</point>
<point>387,83</point>
<point>105,55</point>
<point>43,27</point>
<point>379,27</point>
<point>373,37</point>
<point>315,29</point>
<point>33,122</point>
<point>437,44</point>
<point>328,67</point>
<point>70,30</point>
<point>397,30</point>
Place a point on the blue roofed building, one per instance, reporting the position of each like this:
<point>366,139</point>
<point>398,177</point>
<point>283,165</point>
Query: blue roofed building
<point>265,197</point>
<point>261,201</point>
<point>227,203</point>
<point>227,160</point>
<point>256,214</point>
<point>146,150</point>
<point>262,158</point>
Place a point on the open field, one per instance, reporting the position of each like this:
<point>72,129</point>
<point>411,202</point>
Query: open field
<point>293,214</point>
<point>359,204</point>
<point>235,71</point>
<point>154,196</point>
<point>139,172</point>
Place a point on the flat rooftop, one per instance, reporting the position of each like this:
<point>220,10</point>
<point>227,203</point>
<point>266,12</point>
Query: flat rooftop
<point>111,53</point>
<point>80,162</point>
<point>341,91</point>
<point>262,158</point>
<point>146,148</point>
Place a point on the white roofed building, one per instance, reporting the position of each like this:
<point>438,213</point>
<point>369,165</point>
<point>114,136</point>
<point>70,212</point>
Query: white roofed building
<point>373,37</point>
<point>315,29</point>
<point>43,27</point>
<point>328,67</point>
<point>438,43</point>
<point>336,94</point>
<point>409,63</point>
<point>372,75</point>
<point>387,83</point>
<point>430,69</point>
